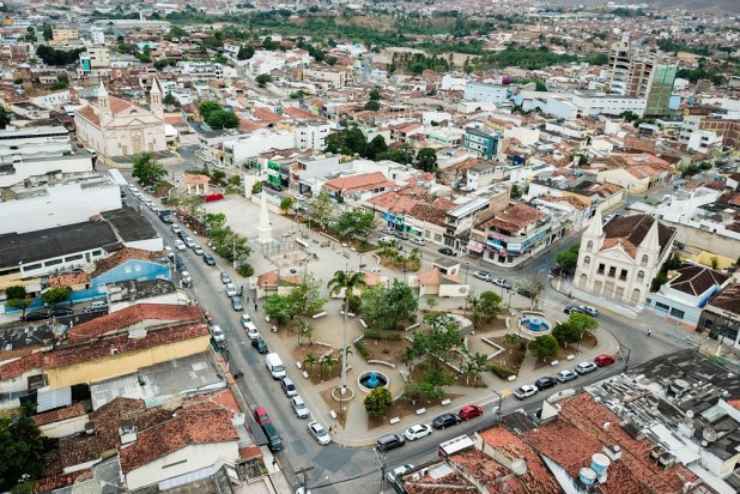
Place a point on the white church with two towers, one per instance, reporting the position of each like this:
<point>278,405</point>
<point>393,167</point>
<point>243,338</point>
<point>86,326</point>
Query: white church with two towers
<point>115,127</point>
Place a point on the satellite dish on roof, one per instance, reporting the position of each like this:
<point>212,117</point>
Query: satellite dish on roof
<point>709,434</point>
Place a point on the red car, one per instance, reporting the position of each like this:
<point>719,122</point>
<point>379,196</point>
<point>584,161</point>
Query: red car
<point>260,415</point>
<point>603,360</point>
<point>469,412</point>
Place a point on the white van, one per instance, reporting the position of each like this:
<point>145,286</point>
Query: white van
<point>275,365</point>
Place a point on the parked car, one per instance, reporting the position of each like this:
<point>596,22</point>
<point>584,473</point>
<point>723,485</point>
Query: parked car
<point>260,345</point>
<point>274,441</point>
<point>261,416</point>
<point>525,292</point>
<point>446,251</point>
<point>389,442</point>
<point>225,278</point>
<point>288,387</point>
<point>299,407</point>
<point>180,245</point>
<point>209,260</point>
<point>399,471</point>
<point>186,280</point>
<point>198,250</point>
<point>386,239</point>
<point>236,303</point>
<point>585,367</point>
<point>176,228</point>
<point>217,334</point>
<point>591,311</point>
<point>445,420</point>
<point>38,315</point>
<point>566,375</point>
<point>603,360</point>
<point>469,412</point>
<point>418,241</point>
<point>503,283</point>
<point>482,275</point>
<point>189,242</point>
<point>545,382</point>
<point>231,290</point>
<point>571,308</point>
<point>417,431</point>
<point>319,433</point>
<point>62,311</point>
<point>524,392</point>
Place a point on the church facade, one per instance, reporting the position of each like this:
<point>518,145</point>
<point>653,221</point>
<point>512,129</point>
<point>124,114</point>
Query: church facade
<point>619,260</point>
<point>116,127</point>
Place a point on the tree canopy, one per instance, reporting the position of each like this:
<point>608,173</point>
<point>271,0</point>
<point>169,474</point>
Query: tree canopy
<point>217,117</point>
<point>355,223</point>
<point>386,308</point>
<point>52,56</point>
<point>568,259</point>
<point>146,170</point>
<point>544,346</point>
<point>56,295</point>
<point>21,451</point>
<point>426,159</point>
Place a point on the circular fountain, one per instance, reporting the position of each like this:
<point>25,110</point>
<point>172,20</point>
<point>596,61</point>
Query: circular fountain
<point>371,380</point>
<point>534,323</point>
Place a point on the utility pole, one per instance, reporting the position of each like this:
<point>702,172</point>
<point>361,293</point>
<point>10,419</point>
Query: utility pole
<point>303,471</point>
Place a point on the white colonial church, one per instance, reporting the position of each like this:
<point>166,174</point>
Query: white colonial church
<point>620,259</point>
<point>116,127</point>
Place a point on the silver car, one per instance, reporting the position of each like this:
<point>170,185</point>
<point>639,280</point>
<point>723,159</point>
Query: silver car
<point>319,433</point>
<point>299,407</point>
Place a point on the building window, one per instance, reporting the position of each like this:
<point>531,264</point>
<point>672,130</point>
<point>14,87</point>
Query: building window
<point>612,271</point>
<point>601,269</point>
<point>678,314</point>
<point>641,276</point>
<point>97,252</point>
<point>73,258</point>
<point>586,261</point>
<point>644,261</point>
<point>590,245</point>
<point>623,275</point>
<point>636,296</point>
<point>583,280</point>
<point>53,262</point>
<point>31,267</point>
<point>661,306</point>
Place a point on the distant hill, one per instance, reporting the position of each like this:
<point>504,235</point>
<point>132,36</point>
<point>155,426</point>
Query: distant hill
<point>729,6</point>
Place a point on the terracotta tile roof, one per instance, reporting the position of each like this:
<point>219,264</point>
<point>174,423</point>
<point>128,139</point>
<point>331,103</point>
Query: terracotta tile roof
<point>202,425</point>
<point>515,217</point>
<point>393,202</point>
<point>268,279</point>
<point>76,410</point>
<point>364,181</point>
<point>630,231</point>
<point>121,256</point>
<point>135,314</point>
<point>69,279</point>
<point>88,113</point>
<point>435,277</point>
<point>175,119</point>
<point>728,299</point>
<point>299,113</point>
<point>94,349</point>
<point>224,399</point>
<point>119,105</point>
<point>428,213</point>
<point>250,453</point>
<point>196,179</point>
<point>696,280</point>
<point>266,115</point>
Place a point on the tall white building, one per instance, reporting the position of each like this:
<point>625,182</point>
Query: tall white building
<point>620,259</point>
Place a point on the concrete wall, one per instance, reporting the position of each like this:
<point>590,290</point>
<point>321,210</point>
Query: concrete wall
<point>64,428</point>
<point>188,459</point>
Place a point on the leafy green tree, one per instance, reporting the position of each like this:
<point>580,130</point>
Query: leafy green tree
<point>321,209</point>
<point>56,295</point>
<point>385,308</point>
<point>17,298</point>
<point>438,343</point>
<point>245,52</point>
<point>305,299</point>
<point>544,347</point>
<point>222,119</point>
<point>403,154</point>
<point>286,203</point>
<point>208,107</point>
<point>582,323</point>
<point>52,56</point>
<point>47,31</point>
<point>269,44</point>
<point>376,148</point>
<point>245,270</point>
<point>263,79</point>
<point>257,187</point>
<point>372,105</point>
<point>146,170</point>
<point>356,223</point>
<point>4,117</point>
<point>568,259</point>
<point>21,451</point>
<point>484,307</point>
<point>169,100</point>
<point>473,367</point>
<point>278,308</point>
<point>378,402</point>
<point>565,333</point>
<point>426,159</point>
<point>516,192</point>
<point>374,94</point>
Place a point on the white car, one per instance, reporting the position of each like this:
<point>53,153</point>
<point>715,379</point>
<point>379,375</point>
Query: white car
<point>180,245</point>
<point>176,228</point>
<point>482,275</point>
<point>585,367</point>
<point>387,239</point>
<point>526,391</point>
<point>299,407</point>
<point>198,250</point>
<point>217,333</point>
<point>249,325</point>
<point>502,283</point>
<point>319,433</point>
<point>399,471</point>
<point>231,290</point>
<point>417,431</point>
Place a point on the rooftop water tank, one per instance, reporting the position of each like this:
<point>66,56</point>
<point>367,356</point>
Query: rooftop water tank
<point>587,476</point>
<point>599,463</point>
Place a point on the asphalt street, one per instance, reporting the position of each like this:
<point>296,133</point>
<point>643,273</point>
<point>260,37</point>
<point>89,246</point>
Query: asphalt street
<point>336,469</point>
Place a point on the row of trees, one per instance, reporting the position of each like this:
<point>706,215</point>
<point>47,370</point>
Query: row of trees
<point>563,334</point>
<point>303,301</point>
<point>352,141</point>
<point>18,298</point>
<point>227,243</point>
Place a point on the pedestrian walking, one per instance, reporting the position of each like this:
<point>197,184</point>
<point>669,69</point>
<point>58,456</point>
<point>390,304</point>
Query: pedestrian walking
<point>255,306</point>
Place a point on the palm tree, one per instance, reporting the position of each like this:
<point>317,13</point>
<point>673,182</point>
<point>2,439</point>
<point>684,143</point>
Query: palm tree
<point>327,364</point>
<point>349,282</point>
<point>305,330</point>
<point>310,361</point>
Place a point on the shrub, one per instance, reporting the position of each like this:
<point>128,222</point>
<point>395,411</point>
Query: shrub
<point>501,371</point>
<point>378,402</point>
<point>362,350</point>
<point>245,270</point>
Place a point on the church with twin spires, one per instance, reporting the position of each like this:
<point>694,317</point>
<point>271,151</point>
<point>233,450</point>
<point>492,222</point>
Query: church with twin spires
<point>116,127</point>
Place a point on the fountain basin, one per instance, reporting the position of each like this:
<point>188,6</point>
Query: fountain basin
<point>534,323</point>
<point>370,380</point>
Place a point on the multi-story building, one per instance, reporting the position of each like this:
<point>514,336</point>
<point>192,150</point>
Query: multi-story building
<point>311,136</point>
<point>721,316</point>
<point>620,259</point>
<point>486,93</point>
<point>483,144</point>
<point>61,35</point>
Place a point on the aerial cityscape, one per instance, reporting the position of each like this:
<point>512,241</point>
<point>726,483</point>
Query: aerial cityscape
<point>370,246</point>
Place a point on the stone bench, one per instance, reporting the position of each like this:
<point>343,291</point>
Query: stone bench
<point>318,316</point>
<point>395,420</point>
<point>421,411</point>
<point>445,402</point>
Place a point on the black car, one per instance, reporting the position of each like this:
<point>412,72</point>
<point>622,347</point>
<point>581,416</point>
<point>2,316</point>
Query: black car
<point>62,310</point>
<point>38,315</point>
<point>209,259</point>
<point>446,251</point>
<point>445,420</point>
<point>260,345</point>
<point>525,292</point>
<point>389,442</point>
<point>545,382</point>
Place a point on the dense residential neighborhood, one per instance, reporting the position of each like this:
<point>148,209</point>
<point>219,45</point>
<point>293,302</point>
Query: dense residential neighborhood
<point>337,247</point>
